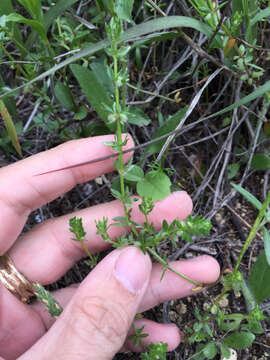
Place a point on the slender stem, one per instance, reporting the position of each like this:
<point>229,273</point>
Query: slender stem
<point>118,110</point>
<point>256,226</point>
<point>124,88</point>
<point>147,221</point>
<point>164,262</point>
<point>85,248</point>
<point>19,67</point>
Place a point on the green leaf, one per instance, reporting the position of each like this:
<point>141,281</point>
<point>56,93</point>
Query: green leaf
<point>46,298</point>
<point>265,13</point>
<point>166,128</point>
<point>225,351</point>
<point>260,162</point>
<point>108,5</point>
<point>56,10</point>
<point>123,9</point>
<point>64,96</point>
<point>6,7</point>
<point>230,325</point>
<point>156,37</point>
<point>260,91</point>
<point>266,240</point>
<point>36,25</point>
<point>155,185</point>
<point>233,170</point>
<point>239,340</point>
<point>210,350</point>
<point>76,227</point>
<point>94,92</point>
<point>137,117</point>
<point>34,8</point>
<point>248,196</point>
<point>133,173</point>
<point>81,114</point>
<point>104,76</point>
<point>259,279</point>
<point>9,125</point>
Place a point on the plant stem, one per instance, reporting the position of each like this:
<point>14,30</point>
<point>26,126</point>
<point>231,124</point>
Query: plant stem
<point>164,262</point>
<point>91,257</point>
<point>119,140</point>
<point>256,226</point>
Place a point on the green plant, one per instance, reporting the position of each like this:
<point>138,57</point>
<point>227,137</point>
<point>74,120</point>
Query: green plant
<point>216,330</point>
<point>103,64</point>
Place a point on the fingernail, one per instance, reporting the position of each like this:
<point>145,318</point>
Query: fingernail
<point>132,269</point>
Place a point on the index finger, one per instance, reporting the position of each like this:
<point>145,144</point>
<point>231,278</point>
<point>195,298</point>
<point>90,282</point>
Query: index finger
<point>21,192</point>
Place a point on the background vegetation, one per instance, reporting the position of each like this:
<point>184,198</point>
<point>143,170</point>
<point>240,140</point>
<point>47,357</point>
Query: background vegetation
<point>193,71</point>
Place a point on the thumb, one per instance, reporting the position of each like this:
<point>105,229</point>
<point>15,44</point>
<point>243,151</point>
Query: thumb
<point>96,321</point>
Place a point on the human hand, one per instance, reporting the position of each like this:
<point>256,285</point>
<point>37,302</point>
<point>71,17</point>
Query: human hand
<point>98,314</point>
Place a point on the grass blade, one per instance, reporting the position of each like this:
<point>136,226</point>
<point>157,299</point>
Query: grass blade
<point>6,7</point>
<point>266,240</point>
<point>9,125</point>
<point>130,34</point>
<point>245,100</point>
<point>265,13</point>
<point>248,196</point>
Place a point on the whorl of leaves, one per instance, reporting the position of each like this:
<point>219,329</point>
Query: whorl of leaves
<point>46,298</point>
<point>155,352</point>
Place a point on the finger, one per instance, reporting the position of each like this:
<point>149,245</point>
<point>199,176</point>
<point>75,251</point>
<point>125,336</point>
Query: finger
<point>44,258</point>
<point>96,322</point>
<point>54,250</point>
<point>21,320</point>
<point>166,333</point>
<point>20,325</point>
<point>204,269</point>
<point>21,191</point>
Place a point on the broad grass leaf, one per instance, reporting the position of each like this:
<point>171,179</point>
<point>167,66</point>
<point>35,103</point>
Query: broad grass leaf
<point>239,340</point>
<point>6,7</point>
<point>259,279</point>
<point>248,196</point>
<point>260,91</point>
<point>266,240</point>
<point>155,37</point>
<point>36,25</point>
<point>265,13</point>
<point>155,185</point>
<point>34,9</point>
<point>166,128</point>
<point>9,125</point>
<point>64,95</point>
<point>123,9</point>
<point>260,162</point>
<point>95,93</point>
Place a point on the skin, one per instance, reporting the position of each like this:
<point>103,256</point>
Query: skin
<point>97,314</point>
